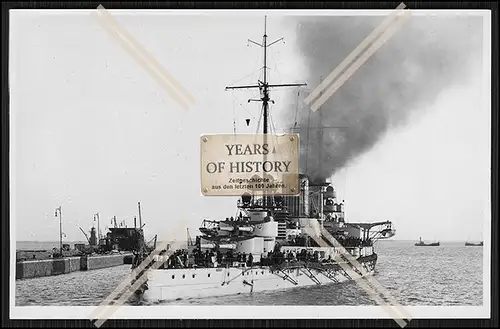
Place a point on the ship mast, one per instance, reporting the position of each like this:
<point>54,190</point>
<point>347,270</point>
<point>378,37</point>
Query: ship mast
<point>264,85</point>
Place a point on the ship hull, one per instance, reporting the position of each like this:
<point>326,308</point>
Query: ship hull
<point>427,244</point>
<point>177,284</point>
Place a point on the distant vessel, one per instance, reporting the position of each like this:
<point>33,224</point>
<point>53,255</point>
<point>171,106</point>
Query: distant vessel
<point>421,243</point>
<point>472,244</point>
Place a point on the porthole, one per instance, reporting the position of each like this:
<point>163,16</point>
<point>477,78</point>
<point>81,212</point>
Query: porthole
<point>194,275</point>
<point>208,274</point>
<point>173,276</point>
<point>228,274</point>
<point>183,276</point>
<point>262,272</point>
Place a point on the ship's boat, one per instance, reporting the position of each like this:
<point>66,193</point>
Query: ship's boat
<point>421,243</point>
<point>472,244</point>
<point>275,242</point>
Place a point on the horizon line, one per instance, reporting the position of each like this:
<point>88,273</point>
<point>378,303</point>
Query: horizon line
<point>461,240</point>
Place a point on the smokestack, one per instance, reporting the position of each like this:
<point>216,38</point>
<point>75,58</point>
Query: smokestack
<point>404,77</point>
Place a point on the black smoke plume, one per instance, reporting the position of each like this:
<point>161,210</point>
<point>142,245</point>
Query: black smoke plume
<point>427,55</point>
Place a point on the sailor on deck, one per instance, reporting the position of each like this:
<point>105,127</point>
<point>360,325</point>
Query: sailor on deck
<point>250,260</point>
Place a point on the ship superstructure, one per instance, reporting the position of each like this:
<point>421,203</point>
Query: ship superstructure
<point>270,244</point>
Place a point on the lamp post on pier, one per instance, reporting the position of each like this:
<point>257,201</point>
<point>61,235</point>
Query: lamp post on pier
<point>98,229</point>
<point>58,209</point>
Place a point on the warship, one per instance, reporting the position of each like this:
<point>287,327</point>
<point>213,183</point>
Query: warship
<point>268,245</point>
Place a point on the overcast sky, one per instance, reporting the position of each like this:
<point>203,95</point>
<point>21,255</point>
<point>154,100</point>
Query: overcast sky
<point>91,131</point>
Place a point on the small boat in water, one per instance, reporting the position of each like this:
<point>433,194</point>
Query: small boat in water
<point>472,244</point>
<point>421,243</point>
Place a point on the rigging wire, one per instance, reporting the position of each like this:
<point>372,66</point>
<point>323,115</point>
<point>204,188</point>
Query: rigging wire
<point>246,76</point>
<point>234,116</point>
<point>248,111</point>
<point>236,100</point>
<point>296,109</point>
<point>345,185</point>
<point>260,118</point>
<point>307,138</point>
<point>297,100</point>
<point>244,107</point>
<point>275,132</point>
<point>289,77</point>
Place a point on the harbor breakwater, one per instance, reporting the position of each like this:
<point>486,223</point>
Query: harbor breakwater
<point>49,267</point>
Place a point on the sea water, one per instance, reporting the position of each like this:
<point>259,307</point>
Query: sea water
<point>450,274</point>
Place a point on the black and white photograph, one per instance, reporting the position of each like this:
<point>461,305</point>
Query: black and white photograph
<point>170,164</point>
